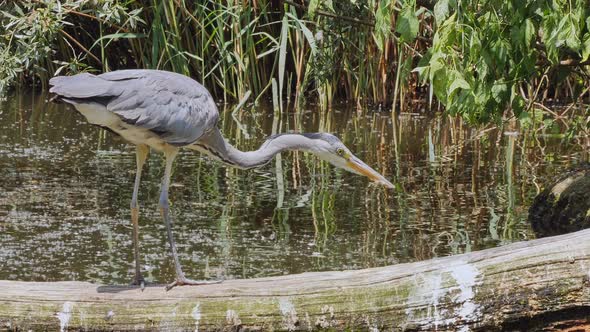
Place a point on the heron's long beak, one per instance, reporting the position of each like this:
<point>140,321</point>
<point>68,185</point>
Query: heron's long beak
<point>359,167</point>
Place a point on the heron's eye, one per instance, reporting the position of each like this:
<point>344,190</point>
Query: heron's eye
<point>340,152</point>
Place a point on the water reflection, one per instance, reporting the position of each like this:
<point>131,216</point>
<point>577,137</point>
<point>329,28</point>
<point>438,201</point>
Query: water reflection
<point>66,187</point>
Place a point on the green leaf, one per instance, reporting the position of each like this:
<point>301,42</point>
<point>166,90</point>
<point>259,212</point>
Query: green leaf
<point>267,52</point>
<point>8,15</point>
<point>567,33</point>
<point>19,10</point>
<point>446,33</point>
<point>458,83</point>
<point>499,91</point>
<point>530,32</point>
<point>441,10</point>
<point>283,55</point>
<point>312,7</point>
<point>548,122</point>
<point>382,24</point>
<point>436,63</point>
<point>474,48</point>
<point>306,33</point>
<point>482,95</point>
<point>407,25</point>
<point>517,35</point>
<point>571,38</point>
<point>439,85</point>
<point>124,35</point>
<point>501,51</point>
<point>422,71</point>
<point>586,47</point>
<point>310,37</point>
<point>518,104</point>
<point>550,29</point>
<point>423,67</point>
<point>525,119</point>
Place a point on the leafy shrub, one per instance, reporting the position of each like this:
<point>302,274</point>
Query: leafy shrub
<point>487,55</point>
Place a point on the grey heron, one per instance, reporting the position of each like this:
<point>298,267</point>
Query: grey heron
<point>166,111</point>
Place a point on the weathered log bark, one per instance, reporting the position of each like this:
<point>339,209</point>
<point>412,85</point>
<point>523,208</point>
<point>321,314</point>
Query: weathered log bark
<point>520,286</point>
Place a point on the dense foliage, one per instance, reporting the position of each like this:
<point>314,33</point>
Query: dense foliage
<point>489,55</point>
<point>480,59</point>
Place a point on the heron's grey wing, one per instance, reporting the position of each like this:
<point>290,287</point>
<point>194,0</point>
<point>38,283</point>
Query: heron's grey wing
<point>174,106</point>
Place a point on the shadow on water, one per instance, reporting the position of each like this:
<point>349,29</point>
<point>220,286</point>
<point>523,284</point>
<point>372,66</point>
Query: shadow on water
<point>66,186</point>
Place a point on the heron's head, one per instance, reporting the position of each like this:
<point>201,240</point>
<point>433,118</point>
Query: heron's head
<point>329,148</point>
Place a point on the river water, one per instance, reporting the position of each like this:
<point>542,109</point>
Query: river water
<point>65,190</point>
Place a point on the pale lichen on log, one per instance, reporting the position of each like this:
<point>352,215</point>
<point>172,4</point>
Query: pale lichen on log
<point>523,284</point>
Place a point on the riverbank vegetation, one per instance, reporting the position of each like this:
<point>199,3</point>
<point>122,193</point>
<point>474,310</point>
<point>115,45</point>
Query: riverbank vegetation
<point>484,60</point>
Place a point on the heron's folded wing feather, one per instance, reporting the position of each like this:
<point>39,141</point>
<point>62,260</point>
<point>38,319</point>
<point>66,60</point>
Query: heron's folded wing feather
<point>175,107</point>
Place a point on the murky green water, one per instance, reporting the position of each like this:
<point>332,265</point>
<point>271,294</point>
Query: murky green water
<point>65,190</point>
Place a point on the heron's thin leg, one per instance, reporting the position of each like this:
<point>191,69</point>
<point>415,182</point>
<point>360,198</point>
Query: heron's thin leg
<point>141,154</point>
<point>165,207</point>
<point>181,280</point>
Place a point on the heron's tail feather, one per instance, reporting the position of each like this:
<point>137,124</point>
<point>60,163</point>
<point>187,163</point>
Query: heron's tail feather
<point>80,86</point>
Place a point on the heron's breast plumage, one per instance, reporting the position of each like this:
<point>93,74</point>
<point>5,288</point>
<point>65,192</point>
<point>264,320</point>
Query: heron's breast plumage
<point>98,114</point>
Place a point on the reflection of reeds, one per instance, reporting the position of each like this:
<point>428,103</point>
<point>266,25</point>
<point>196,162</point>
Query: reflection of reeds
<point>323,214</point>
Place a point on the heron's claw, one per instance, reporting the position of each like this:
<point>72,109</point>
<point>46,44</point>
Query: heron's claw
<point>189,282</point>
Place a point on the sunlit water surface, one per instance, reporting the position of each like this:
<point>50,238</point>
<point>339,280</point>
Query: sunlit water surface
<point>65,190</point>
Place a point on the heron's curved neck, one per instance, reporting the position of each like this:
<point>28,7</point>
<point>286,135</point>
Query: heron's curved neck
<point>215,145</point>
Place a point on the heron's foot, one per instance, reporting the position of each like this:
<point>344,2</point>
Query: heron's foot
<point>138,281</point>
<point>189,282</point>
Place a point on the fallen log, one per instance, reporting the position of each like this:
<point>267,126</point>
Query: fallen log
<point>522,286</point>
